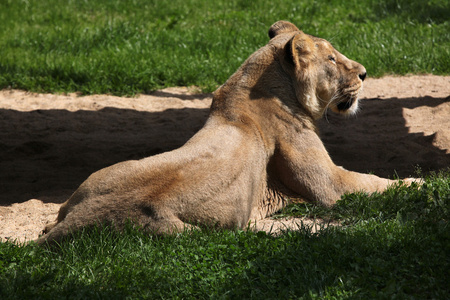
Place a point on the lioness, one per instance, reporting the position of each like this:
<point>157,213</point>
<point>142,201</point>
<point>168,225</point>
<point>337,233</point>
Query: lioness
<point>258,145</point>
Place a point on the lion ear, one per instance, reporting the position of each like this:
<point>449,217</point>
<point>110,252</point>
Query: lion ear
<point>298,49</point>
<point>281,27</point>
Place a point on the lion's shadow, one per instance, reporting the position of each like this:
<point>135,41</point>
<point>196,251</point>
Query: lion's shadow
<point>46,154</point>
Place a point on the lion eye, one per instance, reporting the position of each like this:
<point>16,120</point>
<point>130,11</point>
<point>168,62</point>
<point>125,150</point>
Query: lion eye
<point>331,58</point>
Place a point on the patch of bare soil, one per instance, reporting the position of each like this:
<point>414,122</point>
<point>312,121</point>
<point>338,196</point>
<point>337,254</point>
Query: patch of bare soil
<point>49,144</point>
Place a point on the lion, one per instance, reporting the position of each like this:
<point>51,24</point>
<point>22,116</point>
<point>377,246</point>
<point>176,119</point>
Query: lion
<point>258,147</point>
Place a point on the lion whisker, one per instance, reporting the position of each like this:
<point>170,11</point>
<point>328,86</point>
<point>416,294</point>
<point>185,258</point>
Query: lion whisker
<point>336,96</point>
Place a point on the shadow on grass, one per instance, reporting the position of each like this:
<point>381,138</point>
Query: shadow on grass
<point>420,11</point>
<point>372,261</point>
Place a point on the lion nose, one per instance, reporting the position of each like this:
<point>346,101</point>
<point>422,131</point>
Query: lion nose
<point>362,76</point>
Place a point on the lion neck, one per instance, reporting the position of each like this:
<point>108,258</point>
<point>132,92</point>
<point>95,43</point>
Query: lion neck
<point>263,98</point>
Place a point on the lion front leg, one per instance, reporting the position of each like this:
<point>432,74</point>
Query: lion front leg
<point>304,166</point>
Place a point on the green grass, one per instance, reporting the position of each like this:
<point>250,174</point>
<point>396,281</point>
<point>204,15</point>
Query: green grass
<point>133,46</point>
<point>392,245</point>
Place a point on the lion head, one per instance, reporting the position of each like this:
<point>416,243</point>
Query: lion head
<point>324,78</point>
<point>306,73</point>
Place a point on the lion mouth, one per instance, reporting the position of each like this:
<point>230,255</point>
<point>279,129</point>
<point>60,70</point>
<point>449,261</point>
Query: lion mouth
<point>344,106</point>
<point>348,102</point>
<point>347,105</point>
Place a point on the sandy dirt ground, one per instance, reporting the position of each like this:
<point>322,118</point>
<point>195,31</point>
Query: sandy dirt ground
<point>50,143</point>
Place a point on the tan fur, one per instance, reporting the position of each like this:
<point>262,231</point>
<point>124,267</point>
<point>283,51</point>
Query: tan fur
<point>258,144</point>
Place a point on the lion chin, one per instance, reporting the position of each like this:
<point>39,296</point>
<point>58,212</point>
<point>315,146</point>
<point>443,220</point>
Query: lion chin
<point>347,107</point>
<point>258,146</point>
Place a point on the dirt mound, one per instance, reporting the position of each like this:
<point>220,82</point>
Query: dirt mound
<point>50,143</point>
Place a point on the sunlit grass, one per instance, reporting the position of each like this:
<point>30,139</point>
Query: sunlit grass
<point>390,245</point>
<point>132,46</point>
